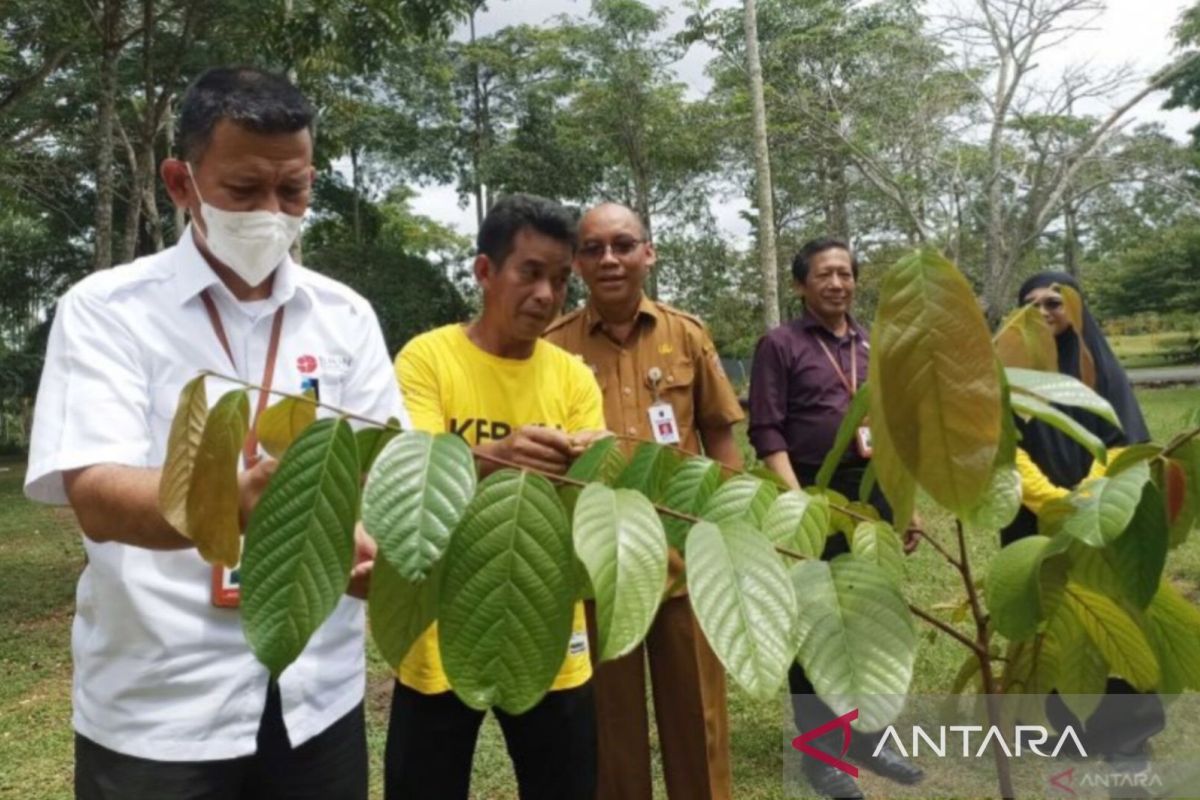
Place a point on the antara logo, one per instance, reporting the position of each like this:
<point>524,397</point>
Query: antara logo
<point>842,723</point>
<point>1031,737</point>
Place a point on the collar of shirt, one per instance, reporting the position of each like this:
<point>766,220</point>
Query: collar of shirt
<point>646,312</point>
<point>193,275</point>
<point>808,321</point>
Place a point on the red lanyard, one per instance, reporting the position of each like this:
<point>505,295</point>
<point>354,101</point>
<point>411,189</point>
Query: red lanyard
<point>851,384</point>
<point>250,447</point>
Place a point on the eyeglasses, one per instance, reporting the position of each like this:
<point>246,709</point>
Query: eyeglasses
<point>594,251</point>
<point>1047,304</point>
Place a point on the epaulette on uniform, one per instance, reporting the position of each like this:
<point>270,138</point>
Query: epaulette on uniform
<point>666,309</point>
<point>563,320</point>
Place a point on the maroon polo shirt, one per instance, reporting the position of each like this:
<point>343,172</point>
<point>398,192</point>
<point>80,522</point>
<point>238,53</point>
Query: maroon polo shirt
<point>797,400</point>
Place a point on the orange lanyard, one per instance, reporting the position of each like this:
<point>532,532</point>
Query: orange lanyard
<point>850,383</point>
<point>250,447</point>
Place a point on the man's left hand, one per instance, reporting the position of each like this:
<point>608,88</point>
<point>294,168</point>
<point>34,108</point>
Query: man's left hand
<point>364,562</point>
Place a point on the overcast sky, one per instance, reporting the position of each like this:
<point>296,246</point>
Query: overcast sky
<point>1134,32</point>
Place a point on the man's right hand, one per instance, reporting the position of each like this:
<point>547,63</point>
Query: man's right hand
<point>535,447</point>
<point>251,484</point>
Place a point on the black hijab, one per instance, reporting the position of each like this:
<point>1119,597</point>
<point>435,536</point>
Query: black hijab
<point>1064,461</point>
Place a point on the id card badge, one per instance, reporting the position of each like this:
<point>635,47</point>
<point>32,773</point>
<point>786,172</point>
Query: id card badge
<point>226,586</point>
<point>862,441</point>
<point>663,425</point>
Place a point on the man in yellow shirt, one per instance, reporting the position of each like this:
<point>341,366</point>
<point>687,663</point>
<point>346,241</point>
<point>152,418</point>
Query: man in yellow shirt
<point>516,397</point>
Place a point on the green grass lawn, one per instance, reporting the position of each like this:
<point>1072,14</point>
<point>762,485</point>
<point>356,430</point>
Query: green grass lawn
<point>40,558</point>
<point>1154,349</point>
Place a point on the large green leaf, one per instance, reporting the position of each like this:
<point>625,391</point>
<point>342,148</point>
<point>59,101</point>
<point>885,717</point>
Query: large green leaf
<point>1130,456</point>
<point>741,497</point>
<point>621,543</point>
<point>1061,390</point>
<point>1082,673</point>
<point>400,610</point>
<point>687,492</point>
<point>300,543</point>
<point>1001,504</point>
<point>279,424</point>
<point>1171,625</point>
<point>508,587</point>
<point>1031,407</point>
<point>1131,567</point>
<point>1017,585</point>
<point>1025,340</point>
<point>855,415</point>
<point>1115,635</point>
<point>602,463</point>
<point>878,543</point>
<point>798,521</point>
<point>649,470</point>
<point>744,603</point>
<point>1101,508</point>
<point>894,479</point>
<point>213,500</point>
<point>934,380</point>
<point>415,494</point>
<point>371,441</point>
<point>857,641</point>
<point>187,429</point>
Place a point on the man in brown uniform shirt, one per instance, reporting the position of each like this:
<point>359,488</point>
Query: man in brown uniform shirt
<point>644,354</point>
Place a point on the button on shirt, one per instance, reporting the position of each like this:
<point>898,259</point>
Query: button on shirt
<point>797,399</point>
<point>161,673</point>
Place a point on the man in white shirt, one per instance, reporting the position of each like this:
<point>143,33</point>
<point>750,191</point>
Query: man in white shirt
<point>169,701</point>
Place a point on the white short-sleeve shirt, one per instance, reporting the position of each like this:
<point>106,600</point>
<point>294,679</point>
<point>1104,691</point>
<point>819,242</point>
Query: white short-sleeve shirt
<point>160,672</point>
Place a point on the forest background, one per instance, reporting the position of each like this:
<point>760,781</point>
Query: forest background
<point>889,124</point>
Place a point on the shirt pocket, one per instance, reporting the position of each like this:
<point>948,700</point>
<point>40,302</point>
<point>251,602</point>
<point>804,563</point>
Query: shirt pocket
<point>332,390</point>
<point>678,389</point>
<point>678,379</point>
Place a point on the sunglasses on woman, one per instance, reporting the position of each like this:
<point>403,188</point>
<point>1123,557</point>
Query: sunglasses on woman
<point>1047,304</point>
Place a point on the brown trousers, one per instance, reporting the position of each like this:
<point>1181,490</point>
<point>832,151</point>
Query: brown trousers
<point>689,707</point>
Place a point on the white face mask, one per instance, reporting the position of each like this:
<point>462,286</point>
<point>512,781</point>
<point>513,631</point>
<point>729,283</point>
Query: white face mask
<point>251,243</point>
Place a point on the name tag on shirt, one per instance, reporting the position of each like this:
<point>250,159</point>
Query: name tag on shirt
<point>663,424</point>
<point>226,587</point>
<point>863,442</point>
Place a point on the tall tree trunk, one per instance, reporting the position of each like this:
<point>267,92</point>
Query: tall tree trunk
<point>180,216</point>
<point>1070,234</point>
<point>762,169</point>
<point>356,204</point>
<point>133,203</point>
<point>839,201</point>
<point>477,120</point>
<point>642,207</point>
<point>297,249</point>
<point>110,47</point>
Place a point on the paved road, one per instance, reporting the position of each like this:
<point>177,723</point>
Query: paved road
<point>1184,374</point>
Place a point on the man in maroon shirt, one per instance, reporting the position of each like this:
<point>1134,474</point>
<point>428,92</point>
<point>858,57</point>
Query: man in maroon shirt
<point>805,373</point>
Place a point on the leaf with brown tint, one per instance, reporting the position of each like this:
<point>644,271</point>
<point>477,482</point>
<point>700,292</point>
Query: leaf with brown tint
<point>184,440</point>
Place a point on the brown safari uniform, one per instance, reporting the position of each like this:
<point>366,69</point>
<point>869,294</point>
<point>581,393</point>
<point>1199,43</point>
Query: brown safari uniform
<point>688,680</point>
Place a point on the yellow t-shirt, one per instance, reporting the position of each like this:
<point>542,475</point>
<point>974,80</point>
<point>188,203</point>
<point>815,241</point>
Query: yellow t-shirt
<point>450,384</point>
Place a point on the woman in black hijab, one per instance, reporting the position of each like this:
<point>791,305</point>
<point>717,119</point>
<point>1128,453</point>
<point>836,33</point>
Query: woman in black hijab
<point>1118,730</point>
<point>1063,461</point>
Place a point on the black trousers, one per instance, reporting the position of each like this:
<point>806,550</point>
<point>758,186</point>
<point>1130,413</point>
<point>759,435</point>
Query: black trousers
<point>330,766</point>
<point>431,744</point>
<point>809,710</point>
